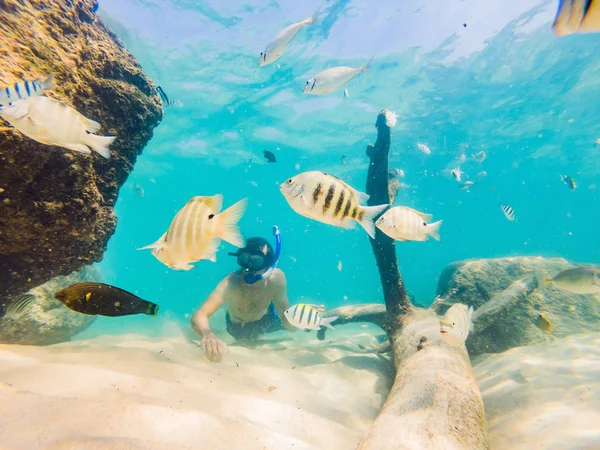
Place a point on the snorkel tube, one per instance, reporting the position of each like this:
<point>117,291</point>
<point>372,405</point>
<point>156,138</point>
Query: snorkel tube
<point>252,278</point>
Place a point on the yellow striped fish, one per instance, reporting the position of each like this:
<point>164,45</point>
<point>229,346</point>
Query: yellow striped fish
<point>325,198</point>
<point>197,230</point>
<point>307,317</point>
<point>577,16</point>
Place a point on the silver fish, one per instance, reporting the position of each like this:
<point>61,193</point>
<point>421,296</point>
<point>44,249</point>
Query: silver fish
<point>579,280</point>
<point>456,324</point>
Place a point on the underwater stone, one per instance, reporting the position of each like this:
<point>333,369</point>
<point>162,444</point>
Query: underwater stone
<point>47,321</point>
<point>475,282</point>
<point>56,206</point>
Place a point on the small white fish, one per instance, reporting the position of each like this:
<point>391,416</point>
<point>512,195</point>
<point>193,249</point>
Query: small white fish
<point>307,317</point>
<point>479,156</point>
<point>346,93</point>
<point>456,324</point>
<point>482,174</point>
<point>424,148</point>
<point>17,308</point>
<point>139,190</point>
<point>196,232</point>
<point>466,185</point>
<point>332,79</point>
<point>406,224</point>
<point>508,212</point>
<point>390,118</point>
<point>25,89</point>
<point>51,122</point>
<point>277,46</point>
<point>457,174</point>
<point>339,266</point>
<point>327,199</point>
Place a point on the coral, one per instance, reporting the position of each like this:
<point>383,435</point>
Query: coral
<point>46,320</point>
<point>56,206</point>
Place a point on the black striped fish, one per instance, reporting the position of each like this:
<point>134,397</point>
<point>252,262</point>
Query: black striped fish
<point>577,16</point>
<point>509,213</point>
<point>196,232</point>
<point>165,98</point>
<point>307,317</point>
<point>25,89</point>
<point>325,198</point>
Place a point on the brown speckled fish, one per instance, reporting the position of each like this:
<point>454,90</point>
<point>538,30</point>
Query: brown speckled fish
<point>103,300</point>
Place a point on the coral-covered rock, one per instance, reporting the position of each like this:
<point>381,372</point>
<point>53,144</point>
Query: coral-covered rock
<point>56,206</point>
<point>475,282</point>
<point>46,320</point>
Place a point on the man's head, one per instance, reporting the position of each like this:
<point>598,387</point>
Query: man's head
<point>256,256</point>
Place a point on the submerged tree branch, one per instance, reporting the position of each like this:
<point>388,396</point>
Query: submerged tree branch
<point>394,293</point>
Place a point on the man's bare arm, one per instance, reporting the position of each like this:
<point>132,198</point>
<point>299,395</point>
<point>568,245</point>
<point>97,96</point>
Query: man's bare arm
<point>214,301</point>
<point>280,298</point>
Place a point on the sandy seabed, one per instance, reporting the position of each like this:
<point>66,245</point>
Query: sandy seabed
<point>147,392</point>
<point>140,392</point>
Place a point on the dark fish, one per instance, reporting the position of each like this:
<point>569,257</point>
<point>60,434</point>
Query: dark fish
<point>104,300</point>
<point>577,16</point>
<point>165,98</point>
<point>569,181</point>
<point>269,156</point>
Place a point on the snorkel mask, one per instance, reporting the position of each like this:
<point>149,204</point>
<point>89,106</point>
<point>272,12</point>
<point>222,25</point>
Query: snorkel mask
<point>256,256</point>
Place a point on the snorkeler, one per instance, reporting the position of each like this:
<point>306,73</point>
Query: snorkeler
<point>255,297</point>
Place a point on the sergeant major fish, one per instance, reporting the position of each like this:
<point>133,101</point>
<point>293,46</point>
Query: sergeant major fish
<point>406,224</point>
<point>456,324</point>
<point>307,317</point>
<point>277,46</point>
<point>332,79</point>
<point>577,16</point>
<point>24,89</point>
<point>508,212</point>
<point>424,148</point>
<point>51,122</point>
<point>196,232</point>
<point>103,300</point>
<point>327,199</point>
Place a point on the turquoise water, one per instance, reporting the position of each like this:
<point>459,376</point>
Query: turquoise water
<point>503,84</point>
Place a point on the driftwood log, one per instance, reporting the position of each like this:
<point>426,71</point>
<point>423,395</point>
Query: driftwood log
<point>435,402</point>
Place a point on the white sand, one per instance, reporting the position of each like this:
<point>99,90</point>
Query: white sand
<point>544,396</point>
<point>155,392</point>
<point>132,391</point>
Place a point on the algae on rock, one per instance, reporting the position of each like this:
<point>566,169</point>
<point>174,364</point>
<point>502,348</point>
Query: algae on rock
<point>475,282</point>
<point>47,321</point>
<point>56,206</point>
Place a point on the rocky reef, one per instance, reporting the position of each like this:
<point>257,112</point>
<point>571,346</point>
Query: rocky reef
<point>46,320</point>
<point>479,281</point>
<point>56,206</point>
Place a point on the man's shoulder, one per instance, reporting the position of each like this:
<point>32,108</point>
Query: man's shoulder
<point>277,276</point>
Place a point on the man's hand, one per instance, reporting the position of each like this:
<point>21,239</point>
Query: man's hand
<point>214,347</point>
